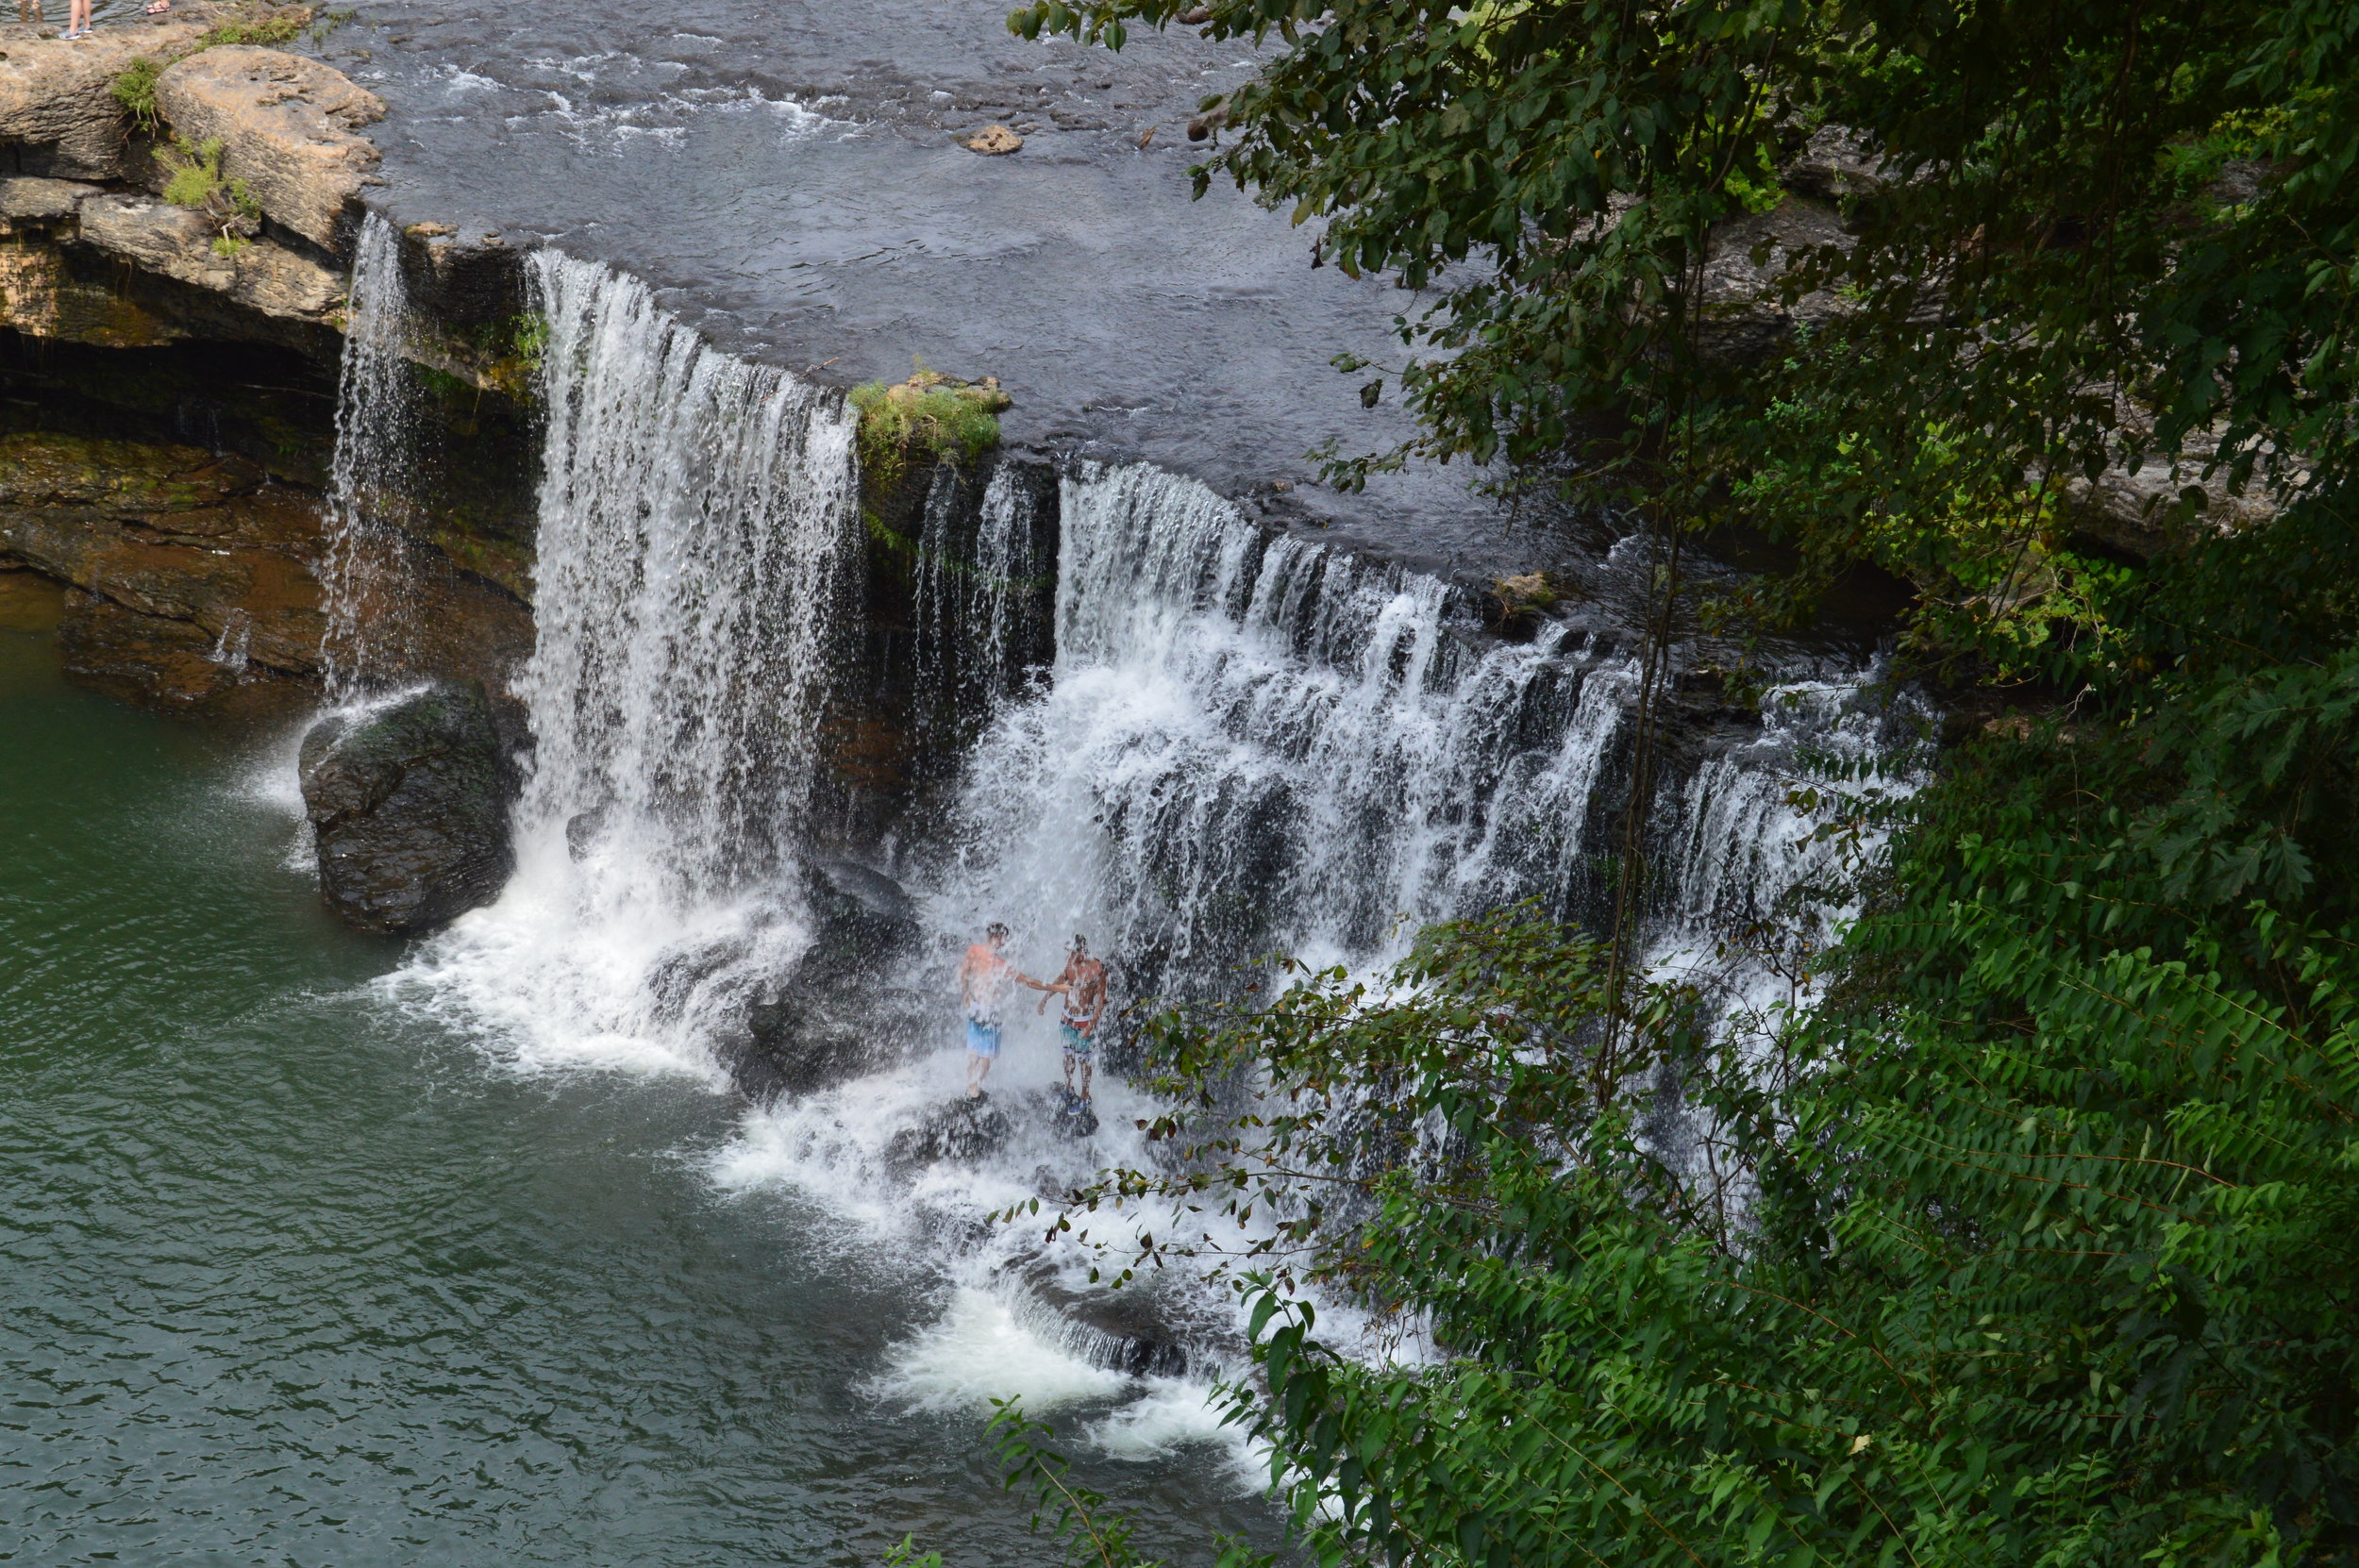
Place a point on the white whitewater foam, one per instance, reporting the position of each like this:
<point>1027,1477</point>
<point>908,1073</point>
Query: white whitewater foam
<point>1246,742</point>
<point>1251,743</point>
<point>977,1352</point>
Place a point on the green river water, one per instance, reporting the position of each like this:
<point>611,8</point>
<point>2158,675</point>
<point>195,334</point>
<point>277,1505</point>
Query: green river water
<point>288,1276</point>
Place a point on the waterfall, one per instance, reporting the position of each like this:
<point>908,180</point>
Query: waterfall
<point>970,599</point>
<point>696,515</point>
<point>1240,741</point>
<point>366,566</point>
<point>1252,742</point>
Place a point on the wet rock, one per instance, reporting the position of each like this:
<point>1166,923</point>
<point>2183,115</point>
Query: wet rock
<point>178,244</point>
<point>409,806</point>
<point>286,125</point>
<point>797,1043</point>
<point>826,1022</point>
<point>1835,163</point>
<point>179,534</point>
<point>583,830</point>
<point>864,916</point>
<point>1120,1330</point>
<point>166,664</point>
<point>57,100</point>
<point>993,141</point>
<point>1075,1117</point>
<point>173,534</point>
<point>963,1129</point>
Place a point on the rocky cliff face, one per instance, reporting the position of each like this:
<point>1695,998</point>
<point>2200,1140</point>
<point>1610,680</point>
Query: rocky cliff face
<point>176,201</point>
<point>198,577</point>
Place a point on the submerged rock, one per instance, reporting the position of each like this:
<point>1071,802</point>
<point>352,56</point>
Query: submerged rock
<point>963,1130</point>
<point>1121,1330</point>
<point>409,803</point>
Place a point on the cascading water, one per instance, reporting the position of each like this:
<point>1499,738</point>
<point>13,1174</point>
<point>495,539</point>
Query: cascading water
<point>695,515</point>
<point>369,555</point>
<point>1240,742</point>
<point>1254,742</point>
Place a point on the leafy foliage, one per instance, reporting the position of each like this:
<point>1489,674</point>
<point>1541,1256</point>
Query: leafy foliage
<point>2073,1287</point>
<point>134,88</point>
<point>2033,1239</point>
<point>2038,269</point>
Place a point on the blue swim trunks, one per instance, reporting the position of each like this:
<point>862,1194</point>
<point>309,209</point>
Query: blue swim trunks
<point>982,1039</point>
<point>1076,1043</point>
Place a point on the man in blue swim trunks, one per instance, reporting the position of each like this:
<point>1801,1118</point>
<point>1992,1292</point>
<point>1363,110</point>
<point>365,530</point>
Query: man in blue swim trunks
<point>984,980</point>
<point>1083,987</point>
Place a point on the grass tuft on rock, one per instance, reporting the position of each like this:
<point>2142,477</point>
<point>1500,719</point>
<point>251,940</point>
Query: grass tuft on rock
<point>932,414</point>
<point>134,88</point>
<point>196,183</point>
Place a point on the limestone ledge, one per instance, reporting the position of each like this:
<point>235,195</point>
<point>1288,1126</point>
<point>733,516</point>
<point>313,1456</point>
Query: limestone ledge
<point>82,174</point>
<point>58,108</point>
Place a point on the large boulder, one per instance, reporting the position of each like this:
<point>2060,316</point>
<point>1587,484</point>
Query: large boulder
<point>410,805</point>
<point>841,1007</point>
<point>285,124</point>
<point>58,107</point>
<point>962,1130</point>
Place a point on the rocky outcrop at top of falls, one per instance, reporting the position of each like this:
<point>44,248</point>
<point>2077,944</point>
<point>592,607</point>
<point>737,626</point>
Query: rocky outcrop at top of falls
<point>164,181</point>
<point>408,803</point>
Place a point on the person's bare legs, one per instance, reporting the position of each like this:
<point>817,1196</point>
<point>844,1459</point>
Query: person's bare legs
<point>77,18</point>
<point>977,1069</point>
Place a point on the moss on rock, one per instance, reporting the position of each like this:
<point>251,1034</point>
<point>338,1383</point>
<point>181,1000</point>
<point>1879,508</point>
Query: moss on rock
<point>929,416</point>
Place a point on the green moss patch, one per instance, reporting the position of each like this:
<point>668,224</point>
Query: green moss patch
<point>930,416</point>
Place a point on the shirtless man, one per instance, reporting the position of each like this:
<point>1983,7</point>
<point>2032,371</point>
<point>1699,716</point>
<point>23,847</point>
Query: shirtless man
<point>984,980</point>
<point>1083,987</point>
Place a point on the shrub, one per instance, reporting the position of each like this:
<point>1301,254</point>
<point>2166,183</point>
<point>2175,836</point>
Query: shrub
<point>134,88</point>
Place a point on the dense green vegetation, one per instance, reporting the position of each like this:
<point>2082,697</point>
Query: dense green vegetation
<point>2031,1240</point>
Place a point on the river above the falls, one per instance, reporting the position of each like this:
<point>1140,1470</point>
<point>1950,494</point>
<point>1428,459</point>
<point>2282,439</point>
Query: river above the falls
<point>295,1276</point>
<point>790,180</point>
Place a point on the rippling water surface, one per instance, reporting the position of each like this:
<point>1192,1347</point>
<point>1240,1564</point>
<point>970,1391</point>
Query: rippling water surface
<point>291,1277</point>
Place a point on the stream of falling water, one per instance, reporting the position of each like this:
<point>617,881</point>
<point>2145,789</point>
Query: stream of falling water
<point>695,516</point>
<point>368,632</point>
<point>1241,742</point>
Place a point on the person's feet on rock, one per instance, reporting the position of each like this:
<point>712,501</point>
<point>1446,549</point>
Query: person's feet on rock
<point>157,8</point>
